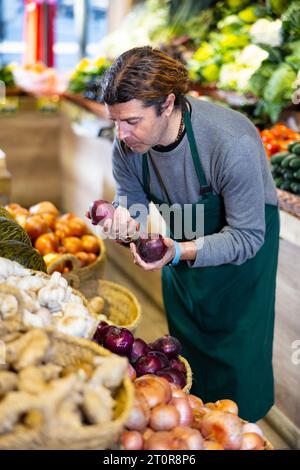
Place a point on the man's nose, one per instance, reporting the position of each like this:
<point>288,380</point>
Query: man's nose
<point>122,131</point>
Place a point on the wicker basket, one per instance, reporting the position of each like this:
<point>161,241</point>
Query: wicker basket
<point>189,375</point>
<point>69,351</point>
<point>120,306</point>
<point>78,276</point>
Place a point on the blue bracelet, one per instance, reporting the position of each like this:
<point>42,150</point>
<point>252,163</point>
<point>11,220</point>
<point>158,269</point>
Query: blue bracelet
<point>176,258</point>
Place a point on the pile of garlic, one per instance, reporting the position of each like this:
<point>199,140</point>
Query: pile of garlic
<point>47,301</point>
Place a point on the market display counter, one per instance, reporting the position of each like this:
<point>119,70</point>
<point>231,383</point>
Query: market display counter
<point>72,150</point>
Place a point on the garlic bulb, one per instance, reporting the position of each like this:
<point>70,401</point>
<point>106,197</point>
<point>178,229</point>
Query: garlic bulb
<point>31,283</point>
<point>32,319</point>
<point>72,309</point>
<point>46,317</point>
<point>11,268</point>
<point>8,305</point>
<point>51,297</point>
<point>75,326</point>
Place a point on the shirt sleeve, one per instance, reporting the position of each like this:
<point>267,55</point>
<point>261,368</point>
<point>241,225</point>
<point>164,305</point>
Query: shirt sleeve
<point>129,189</point>
<point>241,186</point>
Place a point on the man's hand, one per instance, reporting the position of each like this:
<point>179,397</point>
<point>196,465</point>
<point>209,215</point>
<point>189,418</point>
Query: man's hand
<point>157,265</point>
<point>122,228</point>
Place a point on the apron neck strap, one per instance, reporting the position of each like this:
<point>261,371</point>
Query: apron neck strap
<point>194,150</point>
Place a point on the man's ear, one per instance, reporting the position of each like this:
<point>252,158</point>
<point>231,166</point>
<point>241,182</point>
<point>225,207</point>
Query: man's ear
<point>169,105</point>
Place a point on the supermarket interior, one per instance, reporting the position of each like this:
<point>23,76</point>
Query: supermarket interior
<point>117,331</point>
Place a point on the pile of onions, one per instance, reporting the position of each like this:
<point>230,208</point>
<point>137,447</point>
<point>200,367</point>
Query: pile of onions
<point>164,417</point>
<point>161,418</point>
<point>150,247</point>
<point>160,357</point>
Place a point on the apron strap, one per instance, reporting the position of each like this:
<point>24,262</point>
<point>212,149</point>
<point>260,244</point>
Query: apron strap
<point>146,175</point>
<point>195,155</point>
<point>204,188</point>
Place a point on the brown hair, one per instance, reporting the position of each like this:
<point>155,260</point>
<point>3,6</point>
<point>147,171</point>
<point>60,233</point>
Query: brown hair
<point>145,74</point>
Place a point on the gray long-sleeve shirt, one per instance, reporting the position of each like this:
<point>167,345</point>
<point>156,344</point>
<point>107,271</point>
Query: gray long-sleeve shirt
<point>235,166</point>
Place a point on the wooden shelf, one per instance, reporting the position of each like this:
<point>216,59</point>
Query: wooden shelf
<point>95,108</point>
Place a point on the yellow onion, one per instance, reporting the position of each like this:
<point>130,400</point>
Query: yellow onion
<point>164,418</point>
<point>132,440</point>
<point>225,428</point>
<point>139,415</point>
<point>184,409</point>
<point>252,441</point>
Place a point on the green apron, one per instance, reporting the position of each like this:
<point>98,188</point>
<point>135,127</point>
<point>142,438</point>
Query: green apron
<point>224,315</point>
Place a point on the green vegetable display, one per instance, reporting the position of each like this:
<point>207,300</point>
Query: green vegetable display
<point>285,167</point>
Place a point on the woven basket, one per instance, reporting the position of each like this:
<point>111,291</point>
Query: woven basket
<point>17,293</point>
<point>120,305</point>
<point>189,375</point>
<point>78,276</point>
<point>69,351</point>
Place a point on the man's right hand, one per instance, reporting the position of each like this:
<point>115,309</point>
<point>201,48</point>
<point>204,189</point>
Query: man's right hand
<point>122,228</point>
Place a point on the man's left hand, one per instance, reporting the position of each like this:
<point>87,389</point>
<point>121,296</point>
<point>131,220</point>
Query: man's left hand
<point>157,265</point>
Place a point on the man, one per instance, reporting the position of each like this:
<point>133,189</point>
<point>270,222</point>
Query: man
<point>218,288</point>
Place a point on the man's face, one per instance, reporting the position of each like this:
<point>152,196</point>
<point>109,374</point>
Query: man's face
<point>138,126</point>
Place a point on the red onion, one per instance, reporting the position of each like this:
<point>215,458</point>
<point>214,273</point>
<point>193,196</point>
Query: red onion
<point>151,249</point>
<point>118,340</point>
<point>147,365</point>
<point>139,348</point>
<point>100,332</point>
<point>100,210</point>
<point>169,345</point>
<point>173,375</point>
<point>176,363</point>
<point>164,361</point>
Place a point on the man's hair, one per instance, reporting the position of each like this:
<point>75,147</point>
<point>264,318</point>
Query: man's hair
<point>145,74</point>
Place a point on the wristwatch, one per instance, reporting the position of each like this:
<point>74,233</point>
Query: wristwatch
<point>177,255</point>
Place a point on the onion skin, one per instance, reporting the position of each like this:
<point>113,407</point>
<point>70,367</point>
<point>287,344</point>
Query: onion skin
<point>252,427</point>
<point>100,210</point>
<point>164,418</point>
<point>139,415</point>
<point>185,411</point>
<point>252,441</point>
<point>164,361</point>
<point>154,392</point>
<point>225,428</point>
<point>228,406</point>
<point>195,402</point>
<point>151,249</point>
<point>118,340</point>
<point>132,440</point>
<point>139,349</point>
<point>176,363</point>
<point>161,440</point>
<point>162,382</point>
<point>100,332</point>
<point>186,438</point>
<point>167,344</point>
<point>176,391</point>
<point>147,365</point>
<point>173,375</point>
<point>212,445</point>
